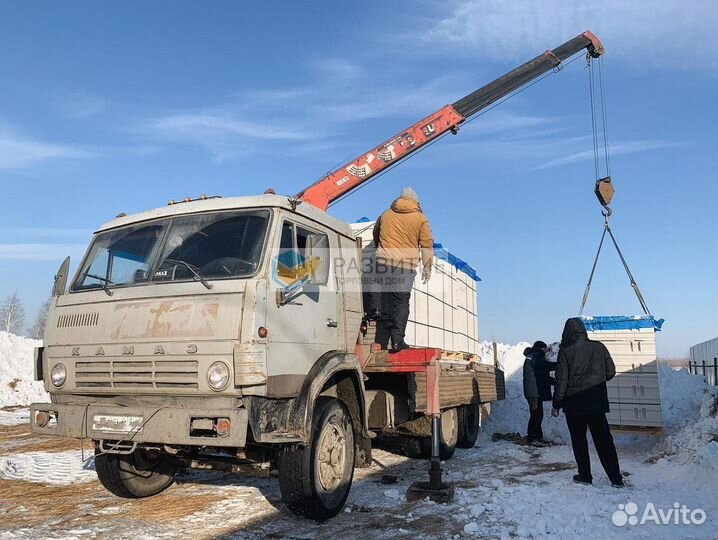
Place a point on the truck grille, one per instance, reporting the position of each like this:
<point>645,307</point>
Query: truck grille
<point>134,373</point>
<point>74,320</point>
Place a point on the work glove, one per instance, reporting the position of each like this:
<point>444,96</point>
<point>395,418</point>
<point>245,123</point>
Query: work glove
<point>425,276</point>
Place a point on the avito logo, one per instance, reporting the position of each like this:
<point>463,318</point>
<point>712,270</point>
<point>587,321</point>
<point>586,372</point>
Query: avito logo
<point>627,514</point>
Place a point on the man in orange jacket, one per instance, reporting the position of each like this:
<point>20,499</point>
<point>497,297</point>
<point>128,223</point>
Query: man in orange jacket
<point>403,239</point>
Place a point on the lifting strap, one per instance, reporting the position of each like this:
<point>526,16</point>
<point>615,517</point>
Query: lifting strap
<point>604,189</point>
<point>634,285</point>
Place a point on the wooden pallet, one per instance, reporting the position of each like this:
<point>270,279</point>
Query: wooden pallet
<point>459,356</point>
<point>637,430</point>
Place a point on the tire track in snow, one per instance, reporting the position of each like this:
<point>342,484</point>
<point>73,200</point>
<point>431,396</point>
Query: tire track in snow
<point>59,468</point>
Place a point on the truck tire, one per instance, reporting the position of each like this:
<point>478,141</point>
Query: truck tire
<point>468,426</point>
<point>420,448</point>
<point>414,449</point>
<point>140,474</point>
<point>315,479</point>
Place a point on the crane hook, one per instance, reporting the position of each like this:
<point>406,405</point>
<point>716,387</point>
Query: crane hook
<point>604,193</point>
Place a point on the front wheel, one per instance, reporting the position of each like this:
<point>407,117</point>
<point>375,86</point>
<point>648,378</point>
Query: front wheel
<point>142,473</point>
<point>315,479</point>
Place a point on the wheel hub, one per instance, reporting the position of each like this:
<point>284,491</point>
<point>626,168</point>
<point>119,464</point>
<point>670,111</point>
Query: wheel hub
<point>143,460</point>
<point>331,456</point>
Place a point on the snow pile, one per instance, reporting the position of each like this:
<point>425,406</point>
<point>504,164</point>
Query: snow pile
<point>512,414</point>
<point>510,357</point>
<point>690,413</point>
<point>59,468</point>
<point>14,417</point>
<point>681,396</point>
<point>17,386</point>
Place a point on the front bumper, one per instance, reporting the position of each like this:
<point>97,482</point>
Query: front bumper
<point>158,425</point>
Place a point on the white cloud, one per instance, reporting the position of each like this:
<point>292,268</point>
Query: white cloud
<point>81,104</point>
<point>212,124</point>
<point>387,99</point>
<point>224,131</point>
<point>512,123</point>
<point>339,70</point>
<point>669,33</point>
<point>40,252</point>
<point>308,116</point>
<point>21,152</point>
<point>630,147</point>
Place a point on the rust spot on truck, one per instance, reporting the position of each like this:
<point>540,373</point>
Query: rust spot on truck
<point>165,319</point>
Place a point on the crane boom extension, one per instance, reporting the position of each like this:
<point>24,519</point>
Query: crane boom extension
<point>351,175</point>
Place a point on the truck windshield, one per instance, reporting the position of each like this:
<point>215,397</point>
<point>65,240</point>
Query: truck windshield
<point>189,247</point>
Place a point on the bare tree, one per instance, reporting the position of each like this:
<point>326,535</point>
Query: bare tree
<point>37,330</point>
<point>12,315</point>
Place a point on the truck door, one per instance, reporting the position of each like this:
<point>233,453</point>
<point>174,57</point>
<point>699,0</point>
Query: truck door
<point>303,314</point>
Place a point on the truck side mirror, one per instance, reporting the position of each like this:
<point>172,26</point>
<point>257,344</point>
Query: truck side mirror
<point>140,276</point>
<point>58,287</point>
<point>317,254</point>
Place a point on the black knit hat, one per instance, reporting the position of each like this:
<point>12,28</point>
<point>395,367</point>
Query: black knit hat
<point>539,345</point>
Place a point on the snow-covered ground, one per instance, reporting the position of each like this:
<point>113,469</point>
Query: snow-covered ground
<point>59,468</point>
<point>503,490</point>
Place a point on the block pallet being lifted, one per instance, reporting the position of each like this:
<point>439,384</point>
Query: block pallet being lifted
<point>633,394</point>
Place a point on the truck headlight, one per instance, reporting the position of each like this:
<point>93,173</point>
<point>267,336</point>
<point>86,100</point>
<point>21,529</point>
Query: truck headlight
<point>58,375</point>
<point>218,375</point>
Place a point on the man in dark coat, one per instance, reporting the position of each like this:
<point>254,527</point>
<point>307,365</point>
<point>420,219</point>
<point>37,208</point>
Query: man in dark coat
<point>583,368</point>
<point>537,388</point>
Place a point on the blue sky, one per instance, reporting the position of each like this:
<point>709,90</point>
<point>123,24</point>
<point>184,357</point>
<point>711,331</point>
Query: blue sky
<point>108,108</point>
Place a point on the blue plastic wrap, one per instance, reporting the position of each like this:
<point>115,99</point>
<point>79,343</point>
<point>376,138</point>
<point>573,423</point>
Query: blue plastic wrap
<point>453,260</point>
<point>622,322</point>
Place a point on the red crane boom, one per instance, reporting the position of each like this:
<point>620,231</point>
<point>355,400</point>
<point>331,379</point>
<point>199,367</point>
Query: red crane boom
<point>353,174</point>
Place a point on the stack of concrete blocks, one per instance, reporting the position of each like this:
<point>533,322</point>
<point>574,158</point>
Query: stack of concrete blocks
<point>633,393</point>
<point>444,312</point>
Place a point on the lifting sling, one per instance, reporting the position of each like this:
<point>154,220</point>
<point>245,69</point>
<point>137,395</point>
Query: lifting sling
<point>604,188</point>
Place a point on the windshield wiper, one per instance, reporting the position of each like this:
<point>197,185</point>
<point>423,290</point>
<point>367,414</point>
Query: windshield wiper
<point>195,271</point>
<point>104,282</point>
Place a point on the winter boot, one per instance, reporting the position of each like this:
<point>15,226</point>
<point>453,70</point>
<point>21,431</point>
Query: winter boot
<point>577,478</point>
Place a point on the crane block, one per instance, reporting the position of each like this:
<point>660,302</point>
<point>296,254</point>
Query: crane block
<point>604,190</point>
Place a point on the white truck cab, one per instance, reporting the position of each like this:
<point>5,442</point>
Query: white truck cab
<point>191,326</point>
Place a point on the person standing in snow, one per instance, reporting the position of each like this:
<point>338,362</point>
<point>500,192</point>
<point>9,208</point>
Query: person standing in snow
<point>582,370</point>
<point>403,238</point>
<point>537,388</point>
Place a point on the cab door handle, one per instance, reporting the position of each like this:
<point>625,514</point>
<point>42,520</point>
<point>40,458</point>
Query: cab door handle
<point>331,323</point>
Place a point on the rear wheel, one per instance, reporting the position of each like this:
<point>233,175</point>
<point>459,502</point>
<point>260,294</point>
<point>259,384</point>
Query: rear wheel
<point>142,473</point>
<point>315,479</point>
<point>421,448</point>
<point>468,426</point>
<point>414,449</point>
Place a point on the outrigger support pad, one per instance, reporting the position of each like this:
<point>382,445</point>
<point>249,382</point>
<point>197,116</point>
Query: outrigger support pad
<point>434,489</point>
